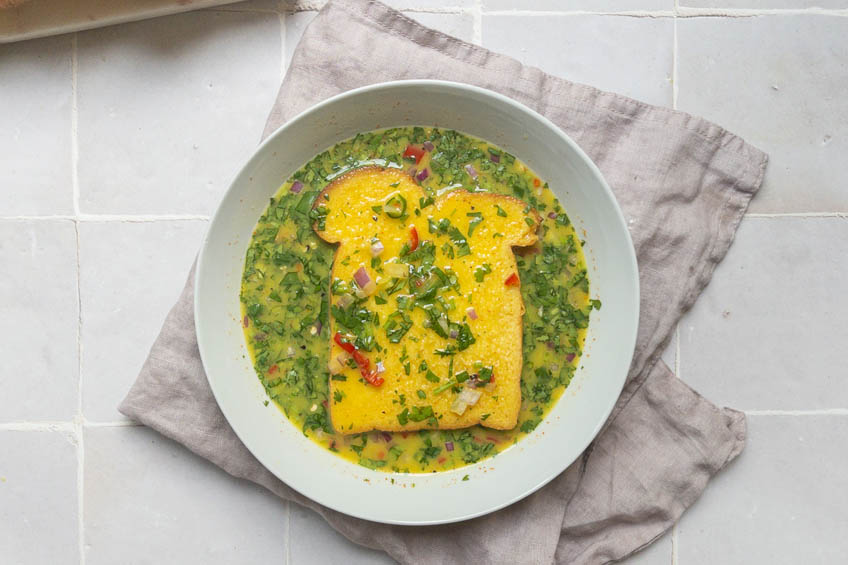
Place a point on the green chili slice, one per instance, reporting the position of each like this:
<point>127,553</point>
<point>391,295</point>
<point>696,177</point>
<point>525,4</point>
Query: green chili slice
<point>395,206</point>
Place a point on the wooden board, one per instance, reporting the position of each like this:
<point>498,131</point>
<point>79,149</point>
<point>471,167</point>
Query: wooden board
<point>40,18</point>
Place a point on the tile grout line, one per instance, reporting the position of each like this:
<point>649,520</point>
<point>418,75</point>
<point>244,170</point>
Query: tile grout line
<point>675,541</point>
<point>477,27</point>
<point>287,535</point>
<point>682,12</point>
<point>115,424</point>
<point>799,215</point>
<point>281,12</point>
<point>46,426</point>
<point>75,191</point>
<point>814,412</point>
<point>686,12</point>
<point>549,13</point>
<point>675,55</point>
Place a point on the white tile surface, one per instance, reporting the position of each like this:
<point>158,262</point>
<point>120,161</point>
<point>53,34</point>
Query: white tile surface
<point>423,5</point>
<point>35,127</point>
<point>38,498</point>
<point>768,331</point>
<point>669,355</point>
<point>170,108</point>
<point>782,502</point>
<point>38,335</point>
<point>148,500</point>
<point>632,56</point>
<point>457,25</point>
<point>579,5</point>
<point>778,82</point>
<point>764,4</point>
<point>313,542</point>
<point>131,275</point>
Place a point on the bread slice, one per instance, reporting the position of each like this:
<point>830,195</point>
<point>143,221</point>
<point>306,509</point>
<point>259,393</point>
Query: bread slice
<point>482,297</point>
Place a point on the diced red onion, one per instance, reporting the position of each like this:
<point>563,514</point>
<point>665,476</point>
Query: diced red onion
<point>550,344</point>
<point>552,215</point>
<point>386,436</point>
<point>361,277</point>
<point>367,290</point>
<point>296,187</point>
<point>472,313</point>
<point>428,146</point>
<point>458,407</point>
<point>494,158</point>
<point>569,357</point>
<point>380,368</point>
<point>377,248</point>
<point>423,174</point>
<point>448,446</point>
<point>335,366</point>
<point>246,321</point>
<point>469,396</point>
<point>345,301</point>
<point>396,270</point>
<point>453,334</point>
<point>472,172</point>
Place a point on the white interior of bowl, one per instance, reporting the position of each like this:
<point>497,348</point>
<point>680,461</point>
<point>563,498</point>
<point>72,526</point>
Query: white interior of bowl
<point>494,483</point>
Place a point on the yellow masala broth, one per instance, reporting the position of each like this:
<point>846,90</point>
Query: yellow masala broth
<point>293,301</point>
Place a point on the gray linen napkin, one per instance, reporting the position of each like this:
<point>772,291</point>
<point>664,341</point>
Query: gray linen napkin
<point>683,184</point>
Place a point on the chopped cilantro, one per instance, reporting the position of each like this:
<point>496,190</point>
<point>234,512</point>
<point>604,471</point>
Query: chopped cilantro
<point>481,271</point>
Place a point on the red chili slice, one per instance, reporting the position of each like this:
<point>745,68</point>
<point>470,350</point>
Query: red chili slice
<point>536,182</point>
<point>512,280</point>
<point>371,377</point>
<point>361,360</point>
<point>415,152</point>
<point>413,237</point>
<point>272,369</point>
<point>349,347</point>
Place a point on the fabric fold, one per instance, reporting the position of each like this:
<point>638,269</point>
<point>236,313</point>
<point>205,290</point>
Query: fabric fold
<point>683,185</point>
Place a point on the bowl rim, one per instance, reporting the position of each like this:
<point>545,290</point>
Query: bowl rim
<point>519,107</point>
